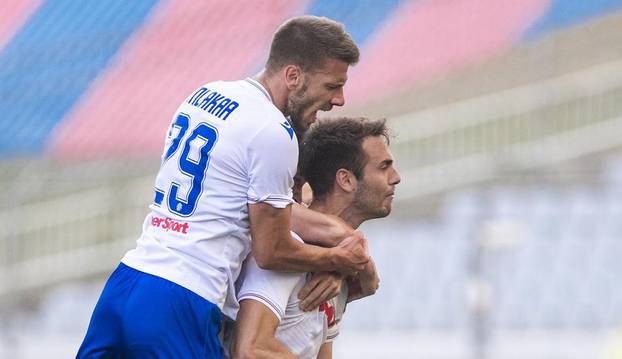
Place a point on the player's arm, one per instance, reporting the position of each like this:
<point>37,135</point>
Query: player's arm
<point>275,249</point>
<point>318,228</point>
<point>328,284</point>
<point>363,284</point>
<point>326,351</point>
<point>271,160</point>
<point>263,297</point>
<point>321,287</point>
<point>254,335</point>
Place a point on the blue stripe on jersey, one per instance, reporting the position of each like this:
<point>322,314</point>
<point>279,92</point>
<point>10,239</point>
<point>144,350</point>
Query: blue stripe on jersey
<point>565,13</point>
<point>361,17</point>
<point>53,59</point>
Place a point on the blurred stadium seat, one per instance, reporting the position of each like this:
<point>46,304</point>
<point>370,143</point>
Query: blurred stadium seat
<point>508,118</point>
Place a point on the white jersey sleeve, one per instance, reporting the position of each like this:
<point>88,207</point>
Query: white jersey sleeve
<point>267,183</point>
<point>271,288</point>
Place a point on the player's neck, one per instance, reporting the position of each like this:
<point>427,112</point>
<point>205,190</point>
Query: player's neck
<point>278,93</point>
<point>338,207</point>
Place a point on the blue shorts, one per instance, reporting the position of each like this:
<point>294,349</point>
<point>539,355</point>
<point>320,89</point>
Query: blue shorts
<point>139,315</point>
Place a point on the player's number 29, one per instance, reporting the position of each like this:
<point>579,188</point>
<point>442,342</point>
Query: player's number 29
<point>189,164</point>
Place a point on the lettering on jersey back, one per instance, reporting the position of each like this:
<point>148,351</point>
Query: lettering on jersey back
<point>213,103</point>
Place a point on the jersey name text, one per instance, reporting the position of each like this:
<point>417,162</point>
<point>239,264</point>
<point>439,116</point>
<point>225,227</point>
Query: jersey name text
<point>213,102</point>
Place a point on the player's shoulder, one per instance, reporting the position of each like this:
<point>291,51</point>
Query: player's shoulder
<point>255,101</point>
<point>245,104</point>
<point>275,131</point>
<point>248,91</point>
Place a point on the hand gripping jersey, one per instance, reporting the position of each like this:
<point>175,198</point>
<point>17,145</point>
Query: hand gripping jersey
<point>228,146</point>
<point>302,332</point>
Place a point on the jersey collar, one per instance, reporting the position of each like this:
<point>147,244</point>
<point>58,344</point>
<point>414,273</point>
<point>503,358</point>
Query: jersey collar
<point>259,87</point>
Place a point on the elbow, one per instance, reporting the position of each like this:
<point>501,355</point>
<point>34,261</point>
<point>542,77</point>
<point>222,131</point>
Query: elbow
<point>266,260</point>
<point>243,349</point>
<point>376,286</point>
<point>243,352</point>
<point>371,288</point>
<point>366,292</point>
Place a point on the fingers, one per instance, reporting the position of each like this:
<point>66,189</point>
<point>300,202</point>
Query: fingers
<point>365,248</point>
<point>309,287</point>
<point>312,302</point>
<point>325,287</point>
<point>352,254</point>
<point>358,244</point>
<point>350,267</point>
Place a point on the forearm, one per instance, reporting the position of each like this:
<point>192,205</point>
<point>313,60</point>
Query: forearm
<point>326,351</point>
<point>274,248</point>
<point>266,348</point>
<point>270,348</point>
<point>365,283</point>
<point>287,254</point>
<point>318,228</point>
<point>293,256</point>
<point>254,335</point>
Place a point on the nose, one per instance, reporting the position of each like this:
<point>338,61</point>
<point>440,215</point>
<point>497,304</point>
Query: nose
<point>395,178</point>
<point>338,99</point>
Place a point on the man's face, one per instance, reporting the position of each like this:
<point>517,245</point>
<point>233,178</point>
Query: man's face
<point>376,188</point>
<point>319,90</point>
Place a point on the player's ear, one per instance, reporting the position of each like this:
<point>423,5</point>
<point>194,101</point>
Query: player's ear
<point>293,76</point>
<point>346,180</point>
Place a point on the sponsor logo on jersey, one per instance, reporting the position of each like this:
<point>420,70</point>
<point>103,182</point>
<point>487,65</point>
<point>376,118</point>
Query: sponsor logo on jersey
<point>169,224</point>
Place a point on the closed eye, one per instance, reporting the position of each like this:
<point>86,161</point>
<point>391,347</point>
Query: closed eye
<point>386,164</point>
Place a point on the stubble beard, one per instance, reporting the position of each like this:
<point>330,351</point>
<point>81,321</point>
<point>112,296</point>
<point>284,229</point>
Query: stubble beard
<point>366,201</point>
<point>296,106</point>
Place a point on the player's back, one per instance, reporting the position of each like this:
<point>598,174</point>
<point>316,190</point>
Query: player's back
<point>227,146</point>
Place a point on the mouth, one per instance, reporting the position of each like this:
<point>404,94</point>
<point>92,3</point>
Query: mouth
<point>312,118</point>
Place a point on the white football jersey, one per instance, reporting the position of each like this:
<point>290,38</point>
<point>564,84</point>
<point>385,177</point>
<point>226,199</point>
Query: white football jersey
<point>227,146</point>
<point>302,332</point>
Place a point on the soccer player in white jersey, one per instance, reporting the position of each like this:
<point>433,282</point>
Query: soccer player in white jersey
<point>226,176</point>
<point>350,170</point>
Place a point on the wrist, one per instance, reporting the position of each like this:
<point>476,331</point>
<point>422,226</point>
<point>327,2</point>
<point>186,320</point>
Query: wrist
<point>340,230</point>
<point>334,259</point>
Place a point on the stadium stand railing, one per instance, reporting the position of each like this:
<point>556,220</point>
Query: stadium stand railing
<point>520,128</point>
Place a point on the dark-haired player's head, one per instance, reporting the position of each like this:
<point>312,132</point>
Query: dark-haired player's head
<point>350,158</point>
<point>315,53</point>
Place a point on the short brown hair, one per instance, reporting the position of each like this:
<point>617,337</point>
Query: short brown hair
<point>308,41</point>
<point>332,144</point>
